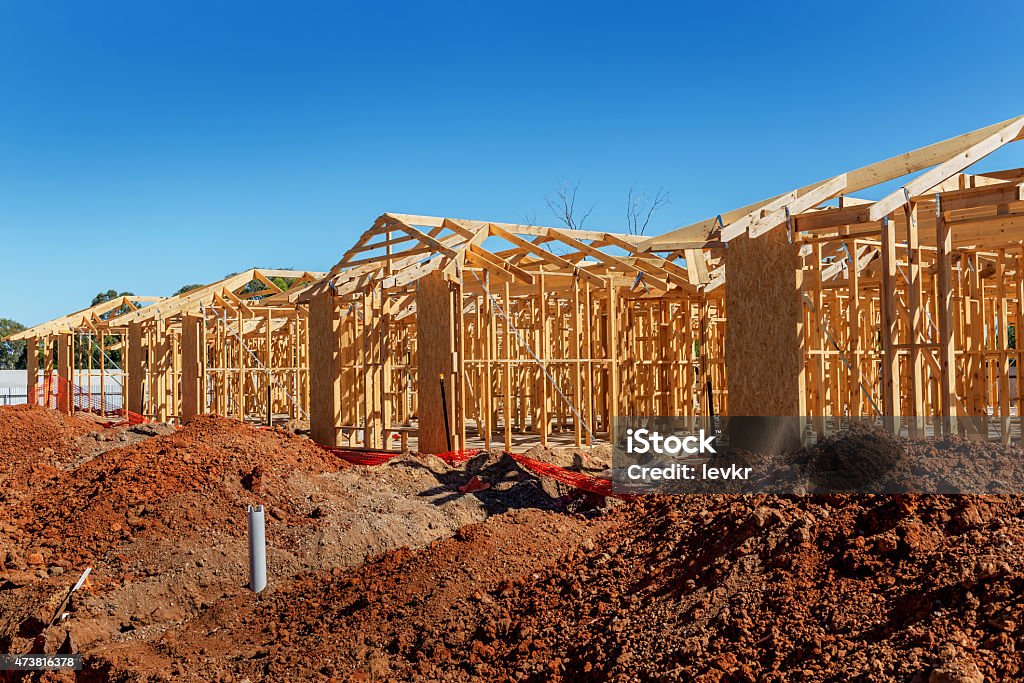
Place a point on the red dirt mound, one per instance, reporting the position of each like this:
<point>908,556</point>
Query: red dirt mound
<point>700,588</point>
<point>776,589</point>
<point>38,434</point>
<point>35,445</point>
<point>196,478</point>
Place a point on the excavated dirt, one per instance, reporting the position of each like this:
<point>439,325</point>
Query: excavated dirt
<point>159,514</point>
<point>35,444</point>
<point>701,588</point>
<point>388,573</point>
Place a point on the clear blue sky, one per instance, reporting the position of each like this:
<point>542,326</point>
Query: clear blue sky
<point>147,145</point>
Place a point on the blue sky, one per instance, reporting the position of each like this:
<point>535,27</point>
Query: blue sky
<point>148,145</point>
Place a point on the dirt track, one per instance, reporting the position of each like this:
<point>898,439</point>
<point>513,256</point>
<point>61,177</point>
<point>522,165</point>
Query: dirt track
<point>388,573</point>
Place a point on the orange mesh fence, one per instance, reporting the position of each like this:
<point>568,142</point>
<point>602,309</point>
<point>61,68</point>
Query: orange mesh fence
<point>574,479</point>
<point>373,458</point>
<point>57,393</point>
<point>579,480</point>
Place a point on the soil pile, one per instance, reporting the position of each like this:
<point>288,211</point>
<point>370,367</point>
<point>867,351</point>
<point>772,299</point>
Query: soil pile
<point>197,477</point>
<point>769,588</point>
<point>163,524</point>
<point>38,436</point>
<point>35,445</point>
<point>703,588</point>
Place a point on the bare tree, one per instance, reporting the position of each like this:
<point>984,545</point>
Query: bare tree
<point>563,206</point>
<point>639,211</point>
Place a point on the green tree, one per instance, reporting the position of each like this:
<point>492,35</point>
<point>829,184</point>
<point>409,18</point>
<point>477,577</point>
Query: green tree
<point>257,286</point>
<point>110,295</point>
<point>12,354</point>
<point>86,346</point>
<point>186,288</point>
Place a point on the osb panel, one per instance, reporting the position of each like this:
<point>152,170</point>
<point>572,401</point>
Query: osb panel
<point>64,353</point>
<point>764,352</point>
<point>191,370</point>
<point>324,370</point>
<point>136,376</point>
<point>32,356</point>
<point>434,329</point>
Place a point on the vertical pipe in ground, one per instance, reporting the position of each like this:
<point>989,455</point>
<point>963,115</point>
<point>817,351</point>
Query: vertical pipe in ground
<point>257,549</point>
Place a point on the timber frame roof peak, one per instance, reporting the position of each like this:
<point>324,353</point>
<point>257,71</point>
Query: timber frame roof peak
<point>228,292</point>
<point>86,318</point>
<point>398,249</point>
<point>941,165</point>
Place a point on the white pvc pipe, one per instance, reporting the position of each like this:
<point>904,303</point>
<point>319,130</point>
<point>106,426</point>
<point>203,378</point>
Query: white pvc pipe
<point>257,549</point>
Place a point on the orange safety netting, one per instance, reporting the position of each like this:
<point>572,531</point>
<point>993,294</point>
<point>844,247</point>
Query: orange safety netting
<point>57,393</point>
<point>579,480</point>
<point>574,479</point>
<point>373,458</point>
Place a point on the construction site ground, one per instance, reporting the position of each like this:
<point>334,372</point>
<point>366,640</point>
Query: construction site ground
<point>389,572</point>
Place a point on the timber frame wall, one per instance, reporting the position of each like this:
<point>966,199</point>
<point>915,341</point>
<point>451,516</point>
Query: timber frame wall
<point>529,329</point>
<point>901,308</point>
<point>227,348</point>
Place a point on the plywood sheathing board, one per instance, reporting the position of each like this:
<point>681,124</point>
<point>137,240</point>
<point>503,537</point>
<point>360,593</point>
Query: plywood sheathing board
<point>32,359</point>
<point>435,324</point>
<point>193,344</point>
<point>65,354</point>
<point>764,347</point>
<point>325,381</point>
<point>135,378</point>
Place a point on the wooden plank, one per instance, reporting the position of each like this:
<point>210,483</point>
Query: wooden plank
<point>867,176</point>
<point>890,330</point>
<point>957,163</point>
<point>916,331</point>
<point>827,190</point>
<point>501,265</point>
<point>65,367</point>
<point>541,252</point>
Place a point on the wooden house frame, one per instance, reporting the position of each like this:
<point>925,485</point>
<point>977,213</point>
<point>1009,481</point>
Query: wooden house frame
<point>233,348</point>
<point>901,307</point>
<point>523,329</point>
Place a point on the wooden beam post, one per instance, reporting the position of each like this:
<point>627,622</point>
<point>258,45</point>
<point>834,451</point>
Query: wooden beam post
<point>890,329</point>
<point>917,387</point>
<point>947,359</point>
<point>134,376</point>
<point>32,370</point>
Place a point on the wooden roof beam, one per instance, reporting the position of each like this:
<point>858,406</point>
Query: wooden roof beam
<point>695,234</point>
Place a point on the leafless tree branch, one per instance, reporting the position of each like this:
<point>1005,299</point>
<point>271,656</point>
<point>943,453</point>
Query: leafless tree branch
<point>563,206</point>
<point>639,211</point>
